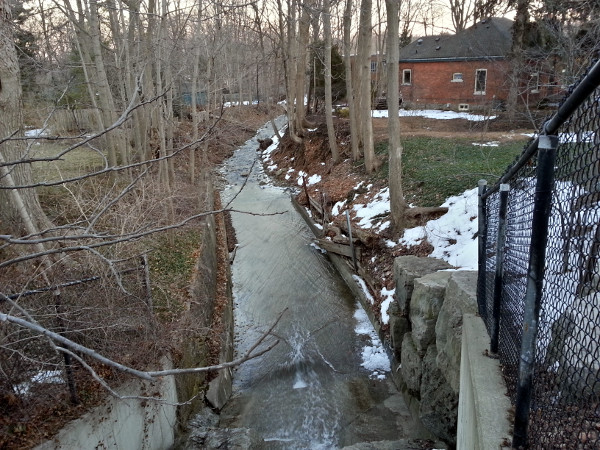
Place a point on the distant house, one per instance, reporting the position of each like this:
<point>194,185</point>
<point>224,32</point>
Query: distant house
<point>465,71</point>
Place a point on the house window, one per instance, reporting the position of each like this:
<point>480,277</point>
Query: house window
<point>407,76</point>
<point>373,66</point>
<point>457,77</point>
<point>534,83</point>
<point>480,81</point>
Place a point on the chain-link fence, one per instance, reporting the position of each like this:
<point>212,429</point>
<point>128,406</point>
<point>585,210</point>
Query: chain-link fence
<point>539,276</point>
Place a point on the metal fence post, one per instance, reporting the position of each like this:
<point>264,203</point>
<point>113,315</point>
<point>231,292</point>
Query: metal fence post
<point>499,276</point>
<point>535,276</point>
<point>482,242</point>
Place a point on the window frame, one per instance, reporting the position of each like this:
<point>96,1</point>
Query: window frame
<point>404,73</point>
<point>477,82</point>
<point>373,66</point>
<point>456,79</point>
<point>535,82</point>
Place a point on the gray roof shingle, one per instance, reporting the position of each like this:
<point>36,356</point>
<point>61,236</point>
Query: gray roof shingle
<point>488,39</point>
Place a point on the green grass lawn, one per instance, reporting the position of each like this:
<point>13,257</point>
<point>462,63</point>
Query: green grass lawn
<point>437,168</point>
<point>73,164</point>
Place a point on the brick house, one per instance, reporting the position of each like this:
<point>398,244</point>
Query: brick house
<point>465,71</point>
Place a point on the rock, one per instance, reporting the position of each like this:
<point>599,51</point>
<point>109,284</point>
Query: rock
<point>205,418</point>
<point>399,326</point>
<point>460,299</point>
<point>219,438</point>
<point>439,402</point>
<point>264,144</point>
<point>425,304</point>
<point>404,444</point>
<point>406,269</point>
<point>412,366</point>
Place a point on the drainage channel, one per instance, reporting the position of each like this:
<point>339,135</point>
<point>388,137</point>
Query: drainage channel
<point>310,391</point>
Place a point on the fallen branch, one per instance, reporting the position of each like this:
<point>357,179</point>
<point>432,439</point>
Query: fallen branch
<point>145,375</point>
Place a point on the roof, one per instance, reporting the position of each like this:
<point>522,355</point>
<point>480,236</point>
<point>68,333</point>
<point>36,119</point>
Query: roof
<point>488,39</point>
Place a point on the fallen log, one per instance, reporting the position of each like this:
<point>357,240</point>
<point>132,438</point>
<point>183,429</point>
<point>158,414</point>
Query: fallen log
<point>364,236</point>
<point>426,212</point>
<point>338,249</point>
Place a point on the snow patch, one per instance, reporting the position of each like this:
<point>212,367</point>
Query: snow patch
<point>364,288</point>
<point>378,206</point>
<point>452,235</point>
<point>374,357</point>
<point>486,144</point>
<point>388,296</point>
<point>434,114</point>
<point>38,132</point>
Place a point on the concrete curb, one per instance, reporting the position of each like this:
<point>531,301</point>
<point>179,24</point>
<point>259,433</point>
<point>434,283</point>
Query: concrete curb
<point>483,406</point>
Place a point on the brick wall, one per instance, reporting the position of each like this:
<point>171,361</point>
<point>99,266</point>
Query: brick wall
<point>432,85</point>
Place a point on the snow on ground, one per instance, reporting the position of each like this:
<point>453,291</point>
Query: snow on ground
<point>379,205</point>
<point>44,376</point>
<point>453,234</point>
<point>38,132</point>
<point>388,296</point>
<point>310,179</point>
<point>364,288</point>
<point>487,144</point>
<point>374,357</point>
<point>434,114</point>
<point>565,138</point>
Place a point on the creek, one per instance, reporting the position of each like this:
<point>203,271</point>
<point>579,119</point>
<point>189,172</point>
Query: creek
<point>310,391</point>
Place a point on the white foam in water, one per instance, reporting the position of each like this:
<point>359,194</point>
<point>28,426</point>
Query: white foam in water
<point>300,383</point>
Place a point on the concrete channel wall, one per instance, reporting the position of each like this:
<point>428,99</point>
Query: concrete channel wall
<point>135,423</point>
<point>124,424</point>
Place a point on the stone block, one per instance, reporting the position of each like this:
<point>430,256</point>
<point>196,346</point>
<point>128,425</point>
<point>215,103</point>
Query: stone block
<point>399,326</point>
<point>460,299</point>
<point>412,366</point>
<point>406,269</point>
<point>425,304</point>
<point>439,402</point>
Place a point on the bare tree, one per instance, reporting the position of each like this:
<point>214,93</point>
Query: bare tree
<point>20,210</point>
<point>351,97</point>
<point>363,65</point>
<point>335,155</point>
<point>517,56</point>
<point>397,202</point>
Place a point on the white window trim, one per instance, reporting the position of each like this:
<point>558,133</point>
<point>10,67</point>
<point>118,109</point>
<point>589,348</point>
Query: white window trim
<point>476,92</point>
<point>403,77</point>
<point>457,80</point>
<point>536,89</point>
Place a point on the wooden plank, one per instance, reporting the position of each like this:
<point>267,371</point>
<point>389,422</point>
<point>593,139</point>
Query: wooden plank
<point>339,249</point>
<point>316,206</point>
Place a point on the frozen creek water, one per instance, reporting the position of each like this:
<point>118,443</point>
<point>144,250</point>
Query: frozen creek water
<point>310,391</point>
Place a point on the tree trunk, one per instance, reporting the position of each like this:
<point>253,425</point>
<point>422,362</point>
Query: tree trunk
<point>349,82</point>
<point>335,155</point>
<point>364,65</point>
<point>194,90</point>
<point>20,210</point>
<point>397,201</point>
<point>303,34</point>
<point>521,19</point>
<point>290,48</point>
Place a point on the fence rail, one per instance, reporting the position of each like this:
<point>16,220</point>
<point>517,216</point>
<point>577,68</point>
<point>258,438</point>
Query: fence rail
<point>539,276</point>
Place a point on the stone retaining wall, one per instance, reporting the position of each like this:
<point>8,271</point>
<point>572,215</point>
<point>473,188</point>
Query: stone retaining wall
<point>425,332</point>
